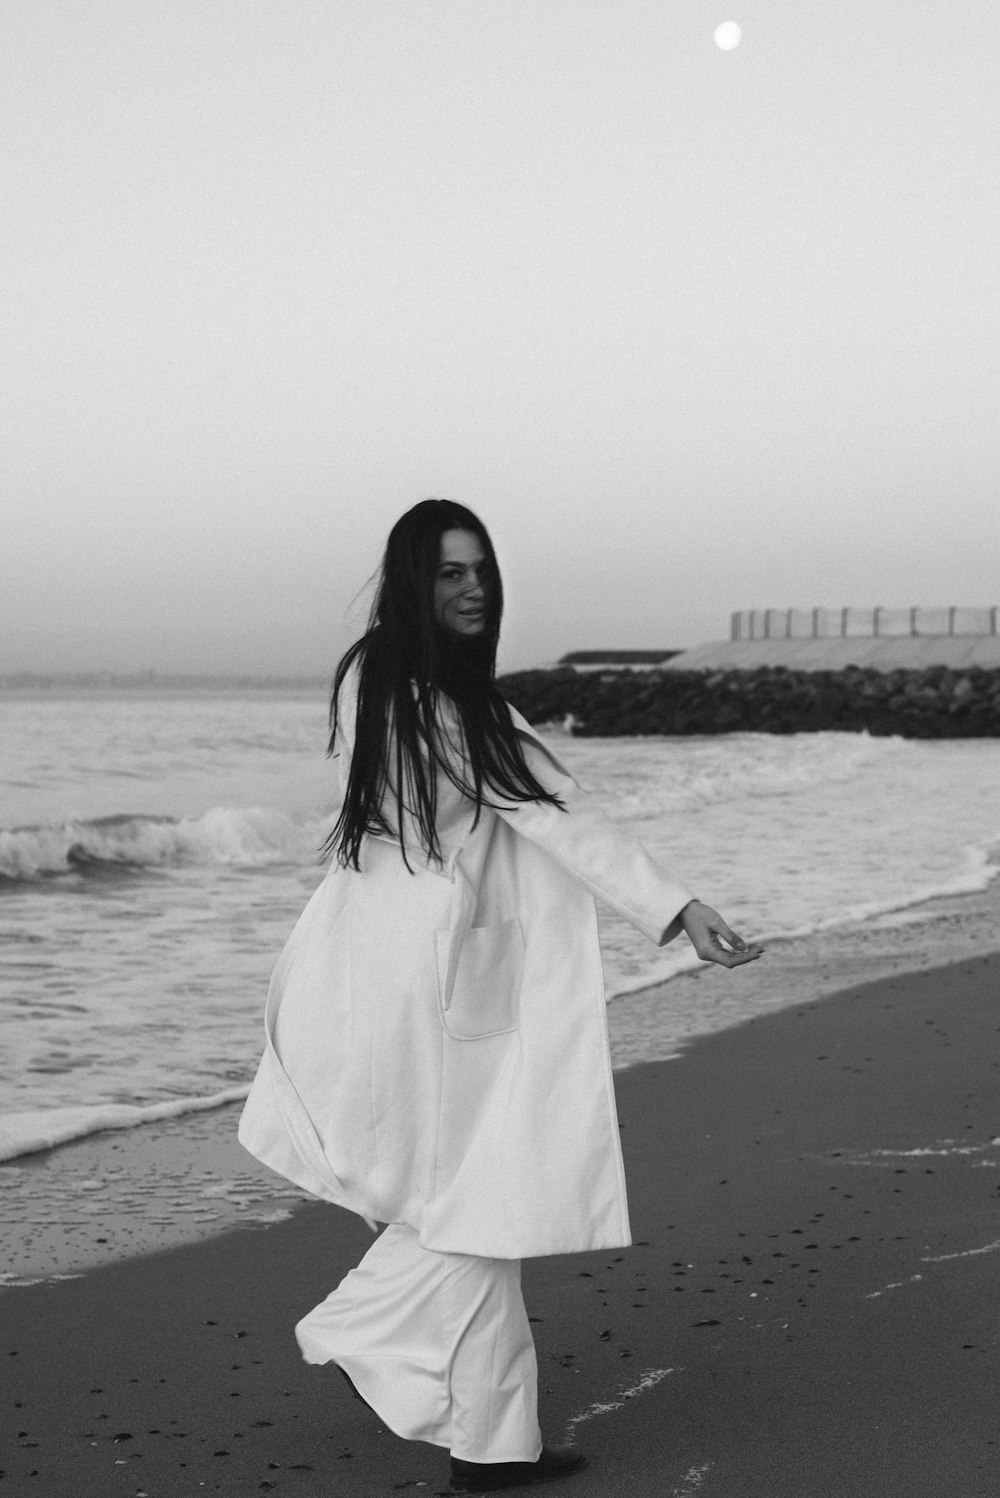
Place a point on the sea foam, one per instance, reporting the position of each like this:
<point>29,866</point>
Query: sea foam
<point>247,836</point>
<point>44,1128</point>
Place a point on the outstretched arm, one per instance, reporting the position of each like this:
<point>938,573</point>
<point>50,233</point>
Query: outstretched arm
<point>614,865</point>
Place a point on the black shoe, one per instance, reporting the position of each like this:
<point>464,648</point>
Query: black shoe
<point>490,1477</point>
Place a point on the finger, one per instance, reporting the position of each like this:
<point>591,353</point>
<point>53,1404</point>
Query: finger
<point>712,950</point>
<point>719,954</point>
<point>734,938</point>
<point>749,955</point>
<point>735,941</point>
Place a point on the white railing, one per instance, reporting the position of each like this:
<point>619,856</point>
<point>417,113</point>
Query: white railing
<point>828,624</point>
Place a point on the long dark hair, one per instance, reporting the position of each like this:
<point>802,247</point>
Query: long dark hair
<point>406,661</point>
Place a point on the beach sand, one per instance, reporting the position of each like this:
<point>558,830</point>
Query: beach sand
<point>810,1309</point>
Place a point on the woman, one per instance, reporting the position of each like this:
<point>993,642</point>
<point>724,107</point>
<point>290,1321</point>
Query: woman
<point>437,1053</point>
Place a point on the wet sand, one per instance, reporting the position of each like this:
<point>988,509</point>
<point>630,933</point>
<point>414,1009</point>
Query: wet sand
<point>810,1309</point>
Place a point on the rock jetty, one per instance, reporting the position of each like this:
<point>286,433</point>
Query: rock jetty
<point>936,703</point>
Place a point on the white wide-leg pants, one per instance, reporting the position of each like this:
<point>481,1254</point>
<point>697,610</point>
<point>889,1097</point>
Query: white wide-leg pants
<point>438,1344</point>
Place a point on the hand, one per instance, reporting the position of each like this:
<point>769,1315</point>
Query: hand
<point>708,931</point>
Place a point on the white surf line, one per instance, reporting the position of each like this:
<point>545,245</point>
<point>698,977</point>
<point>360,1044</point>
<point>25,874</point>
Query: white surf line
<point>692,1479</point>
<point>896,1285</point>
<point>966,1253</point>
<point>942,1150</point>
<point>10,1281</point>
<point>649,1380</point>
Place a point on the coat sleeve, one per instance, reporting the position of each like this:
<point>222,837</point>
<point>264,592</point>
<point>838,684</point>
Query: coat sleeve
<point>609,861</point>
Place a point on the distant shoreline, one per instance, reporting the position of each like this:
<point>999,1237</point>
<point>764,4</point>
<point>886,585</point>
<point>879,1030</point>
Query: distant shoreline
<point>158,681</point>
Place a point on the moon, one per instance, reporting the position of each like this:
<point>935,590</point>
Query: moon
<point>727,36</point>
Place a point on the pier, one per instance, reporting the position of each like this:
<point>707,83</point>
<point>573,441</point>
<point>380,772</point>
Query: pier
<point>830,639</point>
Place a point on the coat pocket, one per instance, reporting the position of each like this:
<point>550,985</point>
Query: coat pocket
<point>479,984</point>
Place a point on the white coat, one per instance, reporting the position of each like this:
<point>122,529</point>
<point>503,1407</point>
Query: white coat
<point>436,1046</point>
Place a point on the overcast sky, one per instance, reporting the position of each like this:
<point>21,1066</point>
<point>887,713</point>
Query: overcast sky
<point>691,330</point>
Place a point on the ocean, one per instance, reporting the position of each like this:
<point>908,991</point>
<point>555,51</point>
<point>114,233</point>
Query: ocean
<point>156,848</point>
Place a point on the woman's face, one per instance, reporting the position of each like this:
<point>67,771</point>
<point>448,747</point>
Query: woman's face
<point>460,584</point>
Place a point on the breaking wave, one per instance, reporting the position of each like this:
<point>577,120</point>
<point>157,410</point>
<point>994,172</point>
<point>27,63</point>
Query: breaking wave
<point>246,836</point>
<point>643,779</point>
